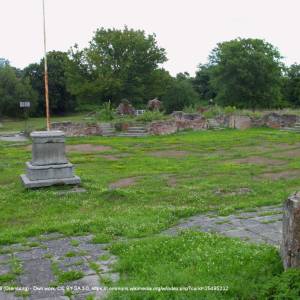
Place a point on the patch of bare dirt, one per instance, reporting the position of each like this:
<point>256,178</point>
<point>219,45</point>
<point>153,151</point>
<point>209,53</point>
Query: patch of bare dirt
<point>290,174</point>
<point>260,148</point>
<point>122,183</point>
<point>169,153</point>
<point>240,191</point>
<point>259,161</point>
<point>88,148</point>
<point>110,157</point>
<point>172,181</point>
<point>289,153</point>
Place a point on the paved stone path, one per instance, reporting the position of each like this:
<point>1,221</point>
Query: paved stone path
<point>13,138</point>
<point>53,261</point>
<point>261,226</point>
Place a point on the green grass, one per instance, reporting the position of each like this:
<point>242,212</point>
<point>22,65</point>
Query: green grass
<point>151,205</point>
<point>15,125</point>
<point>69,276</point>
<point>196,260</point>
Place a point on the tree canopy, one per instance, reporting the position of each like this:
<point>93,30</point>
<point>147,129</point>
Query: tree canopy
<point>117,64</point>
<point>61,100</point>
<point>14,89</point>
<point>246,73</point>
<point>292,85</point>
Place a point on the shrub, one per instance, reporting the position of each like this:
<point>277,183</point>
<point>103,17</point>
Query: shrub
<point>284,286</point>
<point>150,116</point>
<point>106,113</point>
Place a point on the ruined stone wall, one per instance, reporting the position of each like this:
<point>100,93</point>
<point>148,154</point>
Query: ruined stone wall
<point>77,129</point>
<point>180,121</point>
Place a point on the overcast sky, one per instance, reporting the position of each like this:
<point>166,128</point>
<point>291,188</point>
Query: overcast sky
<point>187,29</point>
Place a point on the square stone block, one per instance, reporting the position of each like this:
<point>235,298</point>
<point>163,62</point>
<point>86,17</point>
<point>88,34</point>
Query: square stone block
<point>49,171</point>
<point>48,148</point>
<point>49,165</point>
<point>48,182</point>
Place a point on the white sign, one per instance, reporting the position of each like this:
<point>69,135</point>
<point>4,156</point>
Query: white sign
<point>24,104</point>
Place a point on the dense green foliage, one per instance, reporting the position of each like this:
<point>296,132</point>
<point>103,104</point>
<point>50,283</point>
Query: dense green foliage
<point>13,89</point>
<point>292,85</point>
<point>247,73</point>
<point>180,94</point>
<point>202,82</point>
<point>117,64</point>
<point>61,101</point>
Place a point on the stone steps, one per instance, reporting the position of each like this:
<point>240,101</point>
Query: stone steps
<point>295,128</point>
<point>108,129</point>
<point>213,125</point>
<point>128,134</point>
<point>137,130</point>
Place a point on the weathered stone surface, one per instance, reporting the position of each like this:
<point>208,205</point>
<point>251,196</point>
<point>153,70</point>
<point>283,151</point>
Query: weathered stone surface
<point>290,248</point>
<point>38,271</point>
<point>240,122</point>
<point>261,226</point>
<point>5,258</point>
<point>4,269</point>
<point>163,127</point>
<point>48,148</point>
<point>125,108</point>
<point>78,129</point>
<point>57,171</point>
<point>49,182</point>
<point>172,126</point>
<point>49,165</point>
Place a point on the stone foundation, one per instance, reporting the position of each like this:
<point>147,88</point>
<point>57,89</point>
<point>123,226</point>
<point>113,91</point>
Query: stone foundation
<point>181,121</point>
<point>77,129</point>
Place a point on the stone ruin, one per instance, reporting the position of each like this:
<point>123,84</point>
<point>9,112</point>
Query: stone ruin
<point>154,105</point>
<point>125,108</point>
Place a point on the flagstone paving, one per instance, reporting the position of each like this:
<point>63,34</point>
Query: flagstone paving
<point>261,226</point>
<point>49,262</point>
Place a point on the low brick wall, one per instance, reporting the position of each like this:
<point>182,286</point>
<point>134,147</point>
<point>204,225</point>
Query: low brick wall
<point>77,129</point>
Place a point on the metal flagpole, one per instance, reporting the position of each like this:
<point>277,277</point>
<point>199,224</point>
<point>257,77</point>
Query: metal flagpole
<point>46,72</point>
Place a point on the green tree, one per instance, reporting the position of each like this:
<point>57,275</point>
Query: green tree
<point>117,64</point>
<point>61,100</point>
<point>202,84</point>
<point>180,94</point>
<point>247,73</point>
<point>14,89</point>
<point>291,88</point>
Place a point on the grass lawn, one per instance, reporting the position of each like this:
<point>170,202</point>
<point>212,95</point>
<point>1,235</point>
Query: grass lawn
<point>13,125</point>
<point>171,177</point>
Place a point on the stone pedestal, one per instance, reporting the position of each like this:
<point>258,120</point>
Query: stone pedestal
<point>49,165</point>
<point>290,248</point>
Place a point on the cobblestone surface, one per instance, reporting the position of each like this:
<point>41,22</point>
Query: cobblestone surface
<point>50,261</point>
<point>261,226</point>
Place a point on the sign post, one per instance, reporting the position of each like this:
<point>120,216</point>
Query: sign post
<point>25,105</point>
